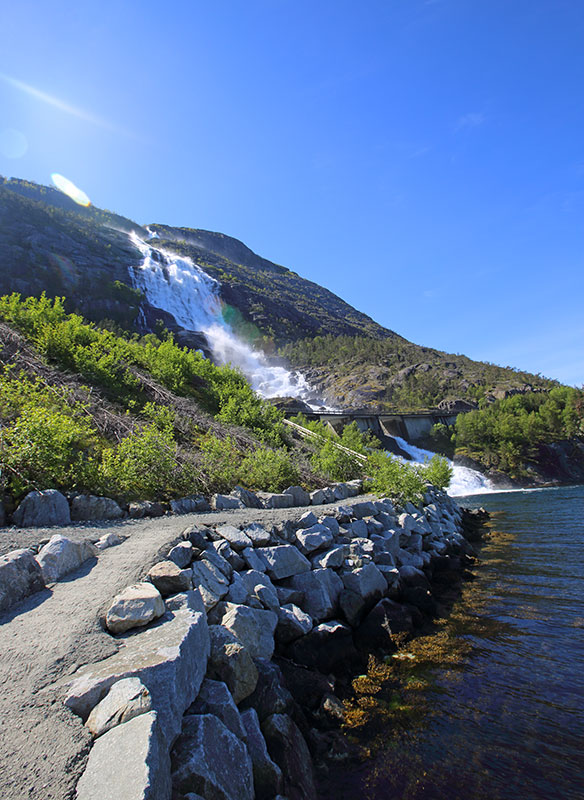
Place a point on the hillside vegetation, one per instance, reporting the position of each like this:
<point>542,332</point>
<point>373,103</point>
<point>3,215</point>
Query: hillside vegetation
<point>86,409</point>
<point>506,435</point>
<point>394,374</point>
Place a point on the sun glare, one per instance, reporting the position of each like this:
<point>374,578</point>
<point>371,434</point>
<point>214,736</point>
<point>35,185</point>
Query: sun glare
<point>68,187</point>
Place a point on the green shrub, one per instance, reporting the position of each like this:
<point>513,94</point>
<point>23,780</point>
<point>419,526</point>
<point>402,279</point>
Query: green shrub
<point>220,461</point>
<point>388,476</point>
<point>438,472</point>
<point>112,362</point>
<point>405,481</point>
<point>145,465</point>
<point>44,441</point>
<point>268,470</point>
<point>336,464</point>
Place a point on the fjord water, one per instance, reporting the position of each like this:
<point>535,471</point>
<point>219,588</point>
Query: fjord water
<point>507,722</point>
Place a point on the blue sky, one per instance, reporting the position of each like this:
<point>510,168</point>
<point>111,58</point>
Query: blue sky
<point>424,159</point>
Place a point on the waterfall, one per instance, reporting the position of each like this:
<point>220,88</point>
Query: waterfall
<point>179,286</point>
<point>464,479</point>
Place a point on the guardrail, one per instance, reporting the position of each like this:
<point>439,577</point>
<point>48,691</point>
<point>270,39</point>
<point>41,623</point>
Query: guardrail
<point>308,434</point>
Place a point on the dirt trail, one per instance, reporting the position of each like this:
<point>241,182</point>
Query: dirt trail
<point>43,746</point>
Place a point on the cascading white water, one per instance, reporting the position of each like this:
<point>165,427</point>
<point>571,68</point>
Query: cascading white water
<point>179,286</point>
<point>464,479</point>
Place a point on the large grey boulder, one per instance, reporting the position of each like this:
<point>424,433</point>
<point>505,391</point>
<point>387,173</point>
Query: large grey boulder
<point>236,538</point>
<point>20,576</point>
<point>332,558</point>
<point>288,749</point>
<point>283,561</point>
<point>321,589</point>
<point>231,662</point>
<point>331,523</point>
<point>209,759</point>
<point>215,698</point>
<point>354,487</point>
<point>189,505</point>
<point>134,607</point>
<point>361,510</point>
<point>383,624</point>
<point>258,534</point>
<point>340,491</point>
<point>317,498</point>
<point>253,627</point>
<point>210,581</point>
<point>293,623</point>
<point>214,554</point>
<point>267,776</point>
<point>253,560</point>
<point>367,582</point>
<point>223,502</point>
<point>237,592</point>
<point>261,587</point>
<point>300,497</point>
<point>307,520</point>
<point>170,659</point>
<point>41,509</point>
<point>60,556</point>
<point>316,537</point>
<point>273,500</point>
<point>138,509</point>
<point>170,579</point>
<point>130,761</point>
<point>88,506</point>
<point>182,554</point>
<point>249,499</point>
<point>125,700</point>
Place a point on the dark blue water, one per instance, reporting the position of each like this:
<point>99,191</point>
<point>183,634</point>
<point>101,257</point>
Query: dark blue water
<point>508,721</point>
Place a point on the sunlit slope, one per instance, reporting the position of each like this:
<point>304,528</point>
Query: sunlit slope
<point>49,243</point>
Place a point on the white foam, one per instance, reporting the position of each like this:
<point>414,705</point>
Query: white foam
<point>179,286</point>
<point>464,479</point>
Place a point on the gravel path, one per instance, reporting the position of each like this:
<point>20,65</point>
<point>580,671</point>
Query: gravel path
<point>43,746</point>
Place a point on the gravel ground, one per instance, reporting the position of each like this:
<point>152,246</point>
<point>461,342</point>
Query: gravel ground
<point>43,746</point>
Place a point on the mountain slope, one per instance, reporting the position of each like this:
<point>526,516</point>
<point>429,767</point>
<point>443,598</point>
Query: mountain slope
<point>48,243</point>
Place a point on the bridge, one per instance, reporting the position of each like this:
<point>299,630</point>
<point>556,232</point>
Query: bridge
<point>412,427</point>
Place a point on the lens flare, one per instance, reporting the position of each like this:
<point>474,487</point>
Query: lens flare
<point>68,187</point>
